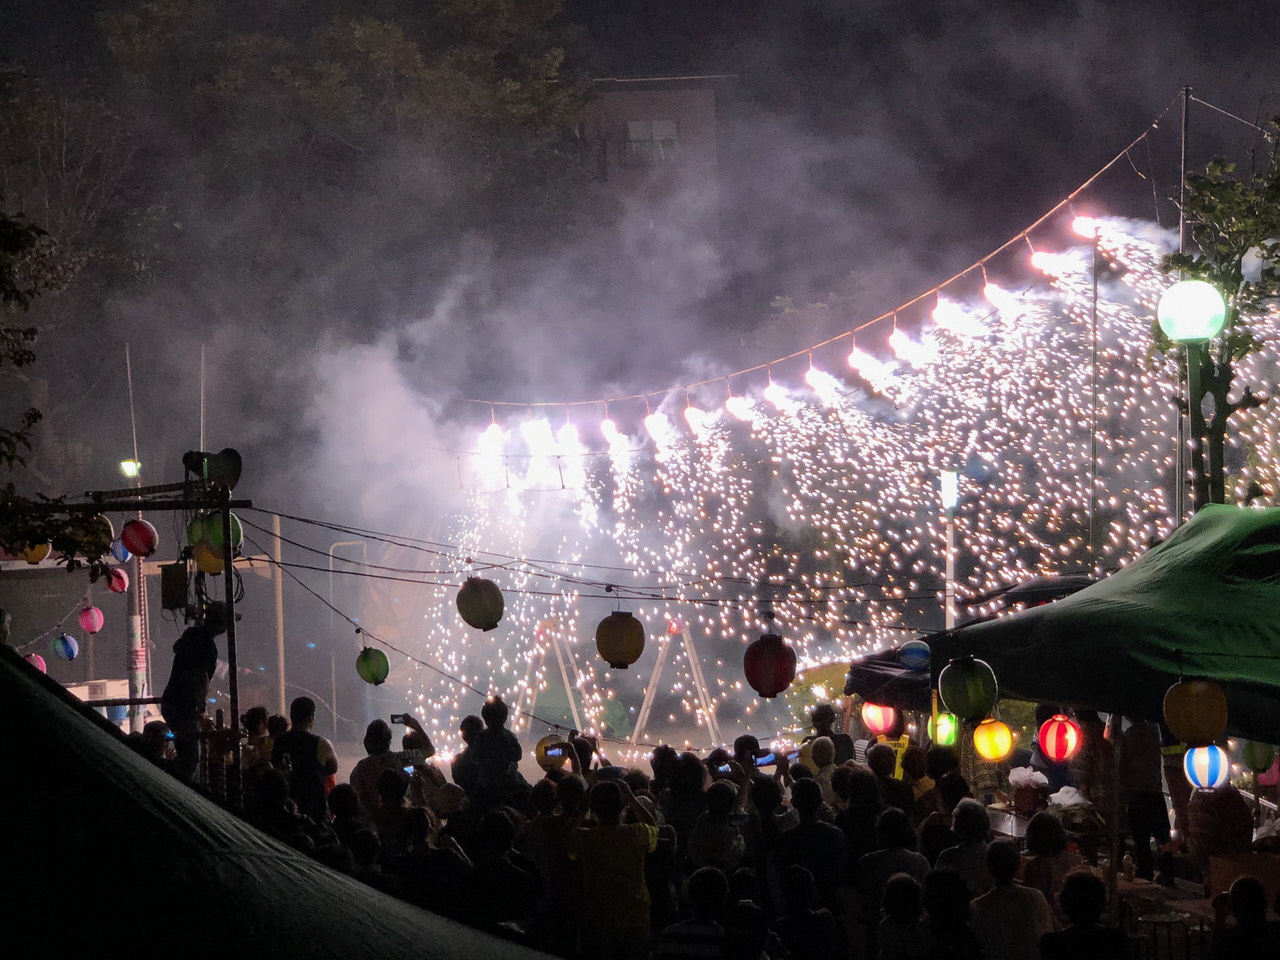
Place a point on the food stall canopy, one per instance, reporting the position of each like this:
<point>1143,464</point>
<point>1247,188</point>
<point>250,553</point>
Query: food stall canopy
<point>1204,603</point>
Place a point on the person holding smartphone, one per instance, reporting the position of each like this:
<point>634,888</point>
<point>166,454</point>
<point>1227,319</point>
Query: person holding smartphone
<point>377,744</point>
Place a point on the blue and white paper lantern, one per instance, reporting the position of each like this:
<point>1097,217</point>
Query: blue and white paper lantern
<point>914,655</point>
<point>1207,767</point>
<point>66,646</point>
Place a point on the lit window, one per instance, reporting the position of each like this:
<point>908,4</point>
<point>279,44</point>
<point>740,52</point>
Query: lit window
<point>650,141</point>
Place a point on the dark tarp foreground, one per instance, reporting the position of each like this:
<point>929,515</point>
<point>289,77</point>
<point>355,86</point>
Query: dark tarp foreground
<point>108,856</point>
<point>1204,603</point>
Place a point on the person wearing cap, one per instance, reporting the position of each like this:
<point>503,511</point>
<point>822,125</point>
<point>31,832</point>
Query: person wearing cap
<point>195,657</point>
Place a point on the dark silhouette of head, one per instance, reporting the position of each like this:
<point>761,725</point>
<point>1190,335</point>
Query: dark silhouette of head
<point>971,821</point>
<point>377,737</point>
<point>1045,835</point>
<point>745,749</point>
<point>823,717</point>
<point>806,797</point>
<point>882,760</point>
<point>494,713</point>
<point>707,891</point>
<point>302,712</point>
<point>255,721</point>
<point>901,899</point>
<point>469,726</point>
<point>1003,860</point>
<point>1083,898</point>
<point>606,802</point>
<point>893,829</point>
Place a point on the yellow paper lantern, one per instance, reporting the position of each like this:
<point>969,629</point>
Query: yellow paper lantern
<point>35,553</point>
<point>1195,711</point>
<point>620,639</point>
<point>551,751</point>
<point>207,559</point>
<point>993,740</point>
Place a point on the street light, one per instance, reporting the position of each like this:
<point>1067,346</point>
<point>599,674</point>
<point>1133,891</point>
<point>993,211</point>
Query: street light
<point>130,468</point>
<point>1191,312</point>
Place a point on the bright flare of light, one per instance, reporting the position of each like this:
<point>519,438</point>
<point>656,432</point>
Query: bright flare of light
<point>829,390</point>
<point>952,317</point>
<point>777,394</point>
<point>700,421</point>
<point>917,354</point>
<point>1009,304</point>
<point>1085,226</point>
<point>740,407</point>
<point>660,428</point>
<point>878,373</point>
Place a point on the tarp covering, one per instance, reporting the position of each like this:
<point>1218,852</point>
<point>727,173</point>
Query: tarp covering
<point>105,855</point>
<point>1204,603</point>
<point>881,678</point>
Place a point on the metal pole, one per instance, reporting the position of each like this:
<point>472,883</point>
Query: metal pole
<point>233,671</point>
<point>277,583</point>
<point>1093,415</point>
<point>1179,495</point>
<point>950,611</point>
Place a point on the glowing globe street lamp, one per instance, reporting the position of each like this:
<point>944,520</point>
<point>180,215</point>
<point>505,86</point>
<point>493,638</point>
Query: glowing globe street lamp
<point>1192,312</point>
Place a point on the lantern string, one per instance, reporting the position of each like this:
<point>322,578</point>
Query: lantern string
<point>1022,236</point>
<point>76,607</point>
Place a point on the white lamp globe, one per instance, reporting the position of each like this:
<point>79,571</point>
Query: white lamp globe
<point>1191,311</point>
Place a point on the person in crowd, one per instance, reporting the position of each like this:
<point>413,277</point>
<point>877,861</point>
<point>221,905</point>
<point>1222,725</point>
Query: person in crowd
<point>716,840</point>
<point>902,933</point>
<point>937,830</point>
<point>802,929</point>
<point>344,810</point>
<point>915,774</point>
<point>381,758</point>
<point>1057,772</point>
<point>946,901</point>
<point>276,725</point>
<point>1142,793</point>
<point>1092,768</point>
<point>972,825</point>
<point>1051,861</point>
<point>823,718</point>
<point>464,770</point>
<point>497,753</point>
<point>939,761</point>
<point>684,799</point>
<point>857,807</point>
<point>746,932</point>
<point>434,872</point>
<point>883,762</point>
<point>1009,919</point>
<point>897,854</point>
<point>662,762</point>
<point>817,846</point>
<point>257,745</point>
<point>701,937</point>
<point>611,856</point>
<point>546,843</point>
<point>185,696</point>
<point>506,889</point>
<point>307,759</point>
<point>823,753</point>
<point>1082,902</point>
<point>389,816</point>
<point>1251,936</point>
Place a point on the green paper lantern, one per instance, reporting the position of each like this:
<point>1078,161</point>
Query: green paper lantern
<point>480,603</point>
<point>968,688</point>
<point>945,730</point>
<point>213,532</point>
<point>372,665</point>
<point>1191,311</point>
<point>1258,757</point>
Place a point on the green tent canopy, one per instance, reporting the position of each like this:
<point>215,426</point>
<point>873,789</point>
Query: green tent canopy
<point>105,855</point>
<point>1204,603</point>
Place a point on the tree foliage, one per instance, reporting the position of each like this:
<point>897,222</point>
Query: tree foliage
<point>1235,226</point>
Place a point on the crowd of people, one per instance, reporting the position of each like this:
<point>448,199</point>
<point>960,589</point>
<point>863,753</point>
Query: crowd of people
<point>741,854</point>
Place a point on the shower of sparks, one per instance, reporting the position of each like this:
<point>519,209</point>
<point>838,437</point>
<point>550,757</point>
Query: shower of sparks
<point>818,500</point>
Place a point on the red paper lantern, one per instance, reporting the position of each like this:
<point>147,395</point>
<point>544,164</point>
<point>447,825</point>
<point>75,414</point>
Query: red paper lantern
<point>139,538</point>
<point>769,665</point>
<point>91,619</point>
<point>879,720</point>
<point>37,661</point>
<point>1059,737</point>
<point>117,580</point>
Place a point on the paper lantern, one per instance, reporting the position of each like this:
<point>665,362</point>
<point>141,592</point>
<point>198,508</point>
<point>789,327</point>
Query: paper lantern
<point>769,664</point>
<point>1195,711</point>
<point>35,553</point>
<point>620,639</point>
<point>197,530</point>
<point>914,655</point>
<point>213,532</point>
<point>372,665</point>
<point>945,730</point>
<point>551,752</point>
<point>878,719</point>
<point>91,620</point>
<point>1258,757</point>
<point>139,538</point>
<point>968,689</point>
<point>1059,737</point>
<point>117,580</point>
<point>66,646</point>
<point>480,603</point>
<point>1207,767</point>
<point>993,740</point>
<point>207,559</point>
<point>120,551</point>
<point>37,661</point>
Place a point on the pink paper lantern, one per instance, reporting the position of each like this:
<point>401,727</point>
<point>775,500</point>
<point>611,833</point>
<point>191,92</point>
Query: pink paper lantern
<point>117,580</point>
<point>139,538</point>
<point>37,661</point>
<point>91,619</point>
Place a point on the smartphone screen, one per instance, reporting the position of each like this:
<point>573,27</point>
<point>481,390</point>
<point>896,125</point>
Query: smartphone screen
<point>766,760</point>
<point>409,770</point>
<point>723,768</point>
